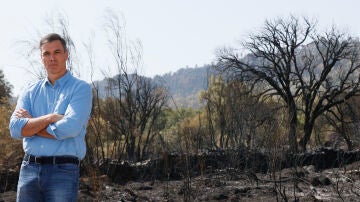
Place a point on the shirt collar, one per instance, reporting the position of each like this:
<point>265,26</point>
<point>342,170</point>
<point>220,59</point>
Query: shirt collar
<point>61,81</point>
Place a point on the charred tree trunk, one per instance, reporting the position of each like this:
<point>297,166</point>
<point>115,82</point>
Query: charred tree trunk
<point>308,128</point>
<point>293,127</point>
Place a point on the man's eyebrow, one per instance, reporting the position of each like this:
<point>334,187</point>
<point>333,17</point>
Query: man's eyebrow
<point>57,50</point>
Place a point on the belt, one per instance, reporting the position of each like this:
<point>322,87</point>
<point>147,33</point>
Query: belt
<point>51,159</point>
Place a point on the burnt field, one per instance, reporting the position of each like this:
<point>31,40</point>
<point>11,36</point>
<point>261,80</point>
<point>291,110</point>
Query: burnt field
<point>322,175</point>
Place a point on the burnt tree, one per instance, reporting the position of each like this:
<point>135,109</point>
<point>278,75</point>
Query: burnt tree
<point>133,102</point>
<point>308,71</point>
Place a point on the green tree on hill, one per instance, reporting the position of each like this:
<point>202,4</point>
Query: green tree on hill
<point>5,87</point>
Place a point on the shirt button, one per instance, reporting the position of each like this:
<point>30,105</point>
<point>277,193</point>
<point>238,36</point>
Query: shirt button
<point>41,146</point>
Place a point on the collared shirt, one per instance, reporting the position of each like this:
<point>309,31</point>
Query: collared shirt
<point>70,97</point>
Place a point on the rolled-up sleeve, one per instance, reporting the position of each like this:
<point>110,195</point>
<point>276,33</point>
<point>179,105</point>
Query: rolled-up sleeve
<point>16,124</point>
<point>76,115</point>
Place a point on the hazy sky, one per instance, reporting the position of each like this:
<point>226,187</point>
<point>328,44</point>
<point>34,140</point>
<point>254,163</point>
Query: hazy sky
<point>174,33</point>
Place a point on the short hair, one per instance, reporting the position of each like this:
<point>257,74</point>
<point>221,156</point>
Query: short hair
<point>52,37</point>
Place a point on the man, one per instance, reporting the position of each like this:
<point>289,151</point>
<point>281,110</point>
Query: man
<point>51,118</point>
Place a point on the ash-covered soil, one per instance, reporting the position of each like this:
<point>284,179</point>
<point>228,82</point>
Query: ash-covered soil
<point>327,175</point>
<point>301,184</point>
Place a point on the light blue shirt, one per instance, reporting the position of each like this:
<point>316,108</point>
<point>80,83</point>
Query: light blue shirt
<point>70,97</point>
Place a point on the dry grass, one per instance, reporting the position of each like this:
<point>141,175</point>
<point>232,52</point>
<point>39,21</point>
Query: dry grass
<point>11,149</point>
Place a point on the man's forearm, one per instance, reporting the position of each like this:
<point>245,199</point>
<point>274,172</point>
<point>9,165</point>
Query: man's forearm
<point>44,133</point>
<point>35,125</point>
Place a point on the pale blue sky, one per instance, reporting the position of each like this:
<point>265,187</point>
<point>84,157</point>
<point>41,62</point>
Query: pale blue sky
<point>173,33</point>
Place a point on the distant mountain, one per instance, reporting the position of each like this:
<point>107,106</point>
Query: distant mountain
<point>184,85</point>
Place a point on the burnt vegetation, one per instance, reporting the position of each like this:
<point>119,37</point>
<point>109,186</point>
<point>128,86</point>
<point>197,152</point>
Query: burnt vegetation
<point>279,115</point>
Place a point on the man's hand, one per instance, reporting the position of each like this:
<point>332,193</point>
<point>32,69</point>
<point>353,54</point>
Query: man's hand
<point>22,113</point>
<point>55,117</point>
<point>45,134</point>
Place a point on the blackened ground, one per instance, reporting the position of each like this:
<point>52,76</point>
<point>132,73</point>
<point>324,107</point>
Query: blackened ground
<point>300,184</point>
<point>324,175</point>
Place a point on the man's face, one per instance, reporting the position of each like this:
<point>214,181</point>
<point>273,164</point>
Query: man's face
<point>54,58</point>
